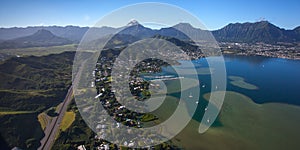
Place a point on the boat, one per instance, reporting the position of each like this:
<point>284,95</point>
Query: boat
<point>190,96</point>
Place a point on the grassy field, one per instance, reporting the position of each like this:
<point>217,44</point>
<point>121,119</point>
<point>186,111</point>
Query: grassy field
<point>67,121</point>
<point>44,119</point>
<point>39,51</point>
<point>30,86</point>
<point>15,112</point>
<point>76,134</point>
<point>28,100</point>
<point>29,92</point>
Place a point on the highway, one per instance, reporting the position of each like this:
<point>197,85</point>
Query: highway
<point>52,128</point>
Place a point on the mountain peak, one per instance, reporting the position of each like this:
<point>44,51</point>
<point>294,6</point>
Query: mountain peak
<point>265,23</point>
<point>183,24</point>
<point>41,38</point>
<point>43,33</point>
<point>133,22</point>
<point>262,31</point>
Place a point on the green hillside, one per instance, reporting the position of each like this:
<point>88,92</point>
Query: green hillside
<point>30,85</point>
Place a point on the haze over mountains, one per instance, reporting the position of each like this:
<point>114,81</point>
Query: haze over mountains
<point>41,38</point>
<point>55,35</point>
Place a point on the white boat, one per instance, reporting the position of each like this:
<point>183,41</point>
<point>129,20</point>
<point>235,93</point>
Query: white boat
<point>190,96</point>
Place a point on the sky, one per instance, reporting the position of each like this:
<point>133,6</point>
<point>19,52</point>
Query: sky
<point>213,14</point>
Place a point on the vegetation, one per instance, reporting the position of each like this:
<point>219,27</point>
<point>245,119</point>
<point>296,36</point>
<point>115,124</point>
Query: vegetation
<point>14,112</point>
<point>262,31</point>
<point>21,130</point>
<point>52,112</point>
<point>255,32</point>
<point>148,117</point>
<point>41,38</point>
<point>24,101</point>
<point>39,84</point>
<point>36,51</point>
<point>29,86</point>
<point>67,121</point>
<point>44,120</point>
<point>77,132</point>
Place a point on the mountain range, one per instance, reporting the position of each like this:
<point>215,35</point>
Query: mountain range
<point>41,38</point>
<point>262,31</point>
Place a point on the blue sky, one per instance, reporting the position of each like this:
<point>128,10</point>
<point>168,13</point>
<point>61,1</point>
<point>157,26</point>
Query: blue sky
<point>213,14</point>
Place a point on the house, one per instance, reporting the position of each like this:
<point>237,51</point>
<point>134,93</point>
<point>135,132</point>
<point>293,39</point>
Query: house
<point>131,143</point>
<point>81,147</point>
<point>97,96</point>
